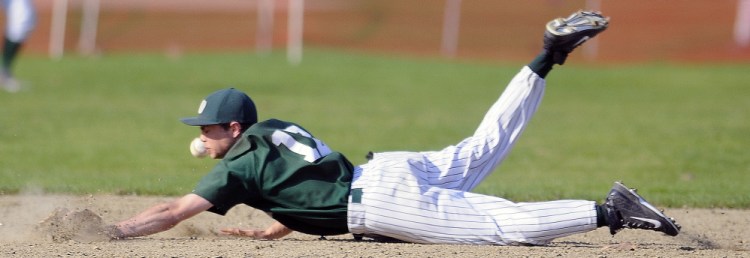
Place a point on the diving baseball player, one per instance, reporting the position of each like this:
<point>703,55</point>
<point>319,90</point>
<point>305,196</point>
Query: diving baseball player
<point>419,197</point>
<point>20,20</point>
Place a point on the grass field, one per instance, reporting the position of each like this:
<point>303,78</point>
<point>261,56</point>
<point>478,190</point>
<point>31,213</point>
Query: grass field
<point>110,125</point>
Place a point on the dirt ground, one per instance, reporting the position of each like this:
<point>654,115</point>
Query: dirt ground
<point>706,233</point>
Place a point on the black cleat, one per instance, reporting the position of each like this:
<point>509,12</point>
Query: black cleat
<point>565,34</point>
<point>626,209</point>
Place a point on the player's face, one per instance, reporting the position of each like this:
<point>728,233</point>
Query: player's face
<point>218,140</point>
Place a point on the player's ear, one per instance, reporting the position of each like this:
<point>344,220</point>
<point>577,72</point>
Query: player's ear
<point>236,129</point>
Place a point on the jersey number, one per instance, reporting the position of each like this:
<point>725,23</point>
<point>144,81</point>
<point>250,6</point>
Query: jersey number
<point>311,153</point>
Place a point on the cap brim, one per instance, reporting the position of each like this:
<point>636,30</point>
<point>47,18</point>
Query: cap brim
<point>197,121</point>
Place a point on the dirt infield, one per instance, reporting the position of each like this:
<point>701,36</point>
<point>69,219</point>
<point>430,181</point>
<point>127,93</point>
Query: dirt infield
<point>706,233</point>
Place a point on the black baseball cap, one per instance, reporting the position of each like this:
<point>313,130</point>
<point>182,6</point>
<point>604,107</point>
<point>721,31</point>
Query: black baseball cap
<point>224,106</point>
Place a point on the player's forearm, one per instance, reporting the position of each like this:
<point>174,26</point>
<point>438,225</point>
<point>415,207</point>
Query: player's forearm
<point>160,217</point>
<point>154,220</point>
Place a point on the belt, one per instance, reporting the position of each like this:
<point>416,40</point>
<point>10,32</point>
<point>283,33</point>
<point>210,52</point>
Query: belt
<point>356,194</point>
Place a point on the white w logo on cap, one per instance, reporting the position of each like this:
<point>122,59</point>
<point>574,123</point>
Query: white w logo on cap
<point>202,106</point>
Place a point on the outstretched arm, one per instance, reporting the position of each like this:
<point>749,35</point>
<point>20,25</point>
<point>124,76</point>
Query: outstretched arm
<point>275,231</point>
<point>160,217</point>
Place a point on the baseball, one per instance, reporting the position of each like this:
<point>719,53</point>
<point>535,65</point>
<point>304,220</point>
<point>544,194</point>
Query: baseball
<point>197,148</point>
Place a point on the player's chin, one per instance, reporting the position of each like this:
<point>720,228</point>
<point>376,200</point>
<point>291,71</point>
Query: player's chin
<point>215,155</point>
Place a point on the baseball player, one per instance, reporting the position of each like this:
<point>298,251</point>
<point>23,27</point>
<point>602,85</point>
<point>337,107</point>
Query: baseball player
<point>419,197</point>
<point>20,21</point>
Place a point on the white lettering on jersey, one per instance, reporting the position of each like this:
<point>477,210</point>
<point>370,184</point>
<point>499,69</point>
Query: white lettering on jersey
<point>311,153</point>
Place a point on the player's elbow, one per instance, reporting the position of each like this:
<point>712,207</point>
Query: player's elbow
<point>173,214</point>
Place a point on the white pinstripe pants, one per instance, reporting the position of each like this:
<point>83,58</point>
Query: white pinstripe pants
<point>422,197</point>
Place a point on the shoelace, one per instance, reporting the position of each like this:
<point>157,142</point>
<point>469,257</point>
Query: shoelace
<point>638,224</point>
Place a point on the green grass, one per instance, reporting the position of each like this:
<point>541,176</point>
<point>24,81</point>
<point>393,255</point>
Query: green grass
<point>110,125</point>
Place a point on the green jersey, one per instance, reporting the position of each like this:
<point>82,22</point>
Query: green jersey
<point>280,168</point>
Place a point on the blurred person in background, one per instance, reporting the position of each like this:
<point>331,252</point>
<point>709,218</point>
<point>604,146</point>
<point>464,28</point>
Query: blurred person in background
<point>20,19</point>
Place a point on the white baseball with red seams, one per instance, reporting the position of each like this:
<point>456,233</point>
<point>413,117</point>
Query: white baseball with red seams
<point>197,149</point>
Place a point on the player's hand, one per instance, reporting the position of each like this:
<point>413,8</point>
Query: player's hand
<point>275,231</point>
<point>255,234</point>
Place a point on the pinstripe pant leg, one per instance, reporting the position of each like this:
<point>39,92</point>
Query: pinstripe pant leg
<point>465,165</point>
<point>396,203</point>
<point>397,208</point>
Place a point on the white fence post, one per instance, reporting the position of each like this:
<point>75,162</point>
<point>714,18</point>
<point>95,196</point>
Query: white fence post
<point>264,33</point>
<point>451,21</point>
<point>89,25</point>
<point>294,31</point>
<point>591,48</point>
<point>742,24</point>
<point>57,32</point>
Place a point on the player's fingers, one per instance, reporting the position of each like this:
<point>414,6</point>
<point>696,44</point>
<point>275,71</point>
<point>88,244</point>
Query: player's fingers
<point>230,231</point>
<point>239,232</point>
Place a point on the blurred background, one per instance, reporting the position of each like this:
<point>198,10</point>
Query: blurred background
<point>642,30</point>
